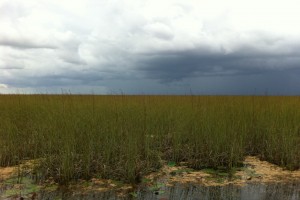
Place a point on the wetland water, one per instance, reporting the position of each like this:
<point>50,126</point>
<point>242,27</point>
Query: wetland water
<point>274,191</point>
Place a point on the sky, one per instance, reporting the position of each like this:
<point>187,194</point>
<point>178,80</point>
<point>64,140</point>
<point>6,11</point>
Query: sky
<point>232,47</point>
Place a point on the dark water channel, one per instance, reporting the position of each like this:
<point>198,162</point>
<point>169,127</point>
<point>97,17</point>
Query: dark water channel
<point>274,191</point>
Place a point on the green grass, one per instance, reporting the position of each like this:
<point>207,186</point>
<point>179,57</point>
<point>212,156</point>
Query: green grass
<point>125,137</point>
<point>25,187</point>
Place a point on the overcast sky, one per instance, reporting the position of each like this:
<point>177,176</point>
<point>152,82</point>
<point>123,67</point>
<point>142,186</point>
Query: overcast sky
<point>150,46</point>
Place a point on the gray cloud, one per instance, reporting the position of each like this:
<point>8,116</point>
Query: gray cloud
<point>176,66</point>
<point>11,67</point>
<point>24,44</point>
<point>150,46</point>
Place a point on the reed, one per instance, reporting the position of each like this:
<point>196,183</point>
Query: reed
<point>124,137</point>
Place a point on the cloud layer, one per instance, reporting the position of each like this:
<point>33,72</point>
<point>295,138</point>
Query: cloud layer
<point>150,46</point>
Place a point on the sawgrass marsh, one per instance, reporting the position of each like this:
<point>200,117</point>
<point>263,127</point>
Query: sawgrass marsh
<point>124,137</point>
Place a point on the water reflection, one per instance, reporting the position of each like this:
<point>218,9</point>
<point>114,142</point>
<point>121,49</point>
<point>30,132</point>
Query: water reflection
<point>247,192</point>
<point>278,191</point>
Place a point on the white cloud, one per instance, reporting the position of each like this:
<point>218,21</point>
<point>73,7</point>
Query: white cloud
<point>42,38</point>
<point>3,86</point>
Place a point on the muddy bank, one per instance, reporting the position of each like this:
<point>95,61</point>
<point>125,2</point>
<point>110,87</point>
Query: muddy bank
<point>255,180</point>
<point>253,171</point>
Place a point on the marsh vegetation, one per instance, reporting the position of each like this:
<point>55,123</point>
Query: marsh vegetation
<point>124,137</point>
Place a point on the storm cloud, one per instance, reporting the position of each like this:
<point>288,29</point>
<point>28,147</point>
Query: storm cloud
<point>164,47</point>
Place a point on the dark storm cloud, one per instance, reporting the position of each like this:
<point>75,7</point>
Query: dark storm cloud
<point>168,67</point>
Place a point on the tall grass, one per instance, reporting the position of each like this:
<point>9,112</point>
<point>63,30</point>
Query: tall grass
<point>124,137</point>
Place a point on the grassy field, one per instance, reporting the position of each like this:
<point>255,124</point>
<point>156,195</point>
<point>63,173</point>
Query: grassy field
<point>125,137</point>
